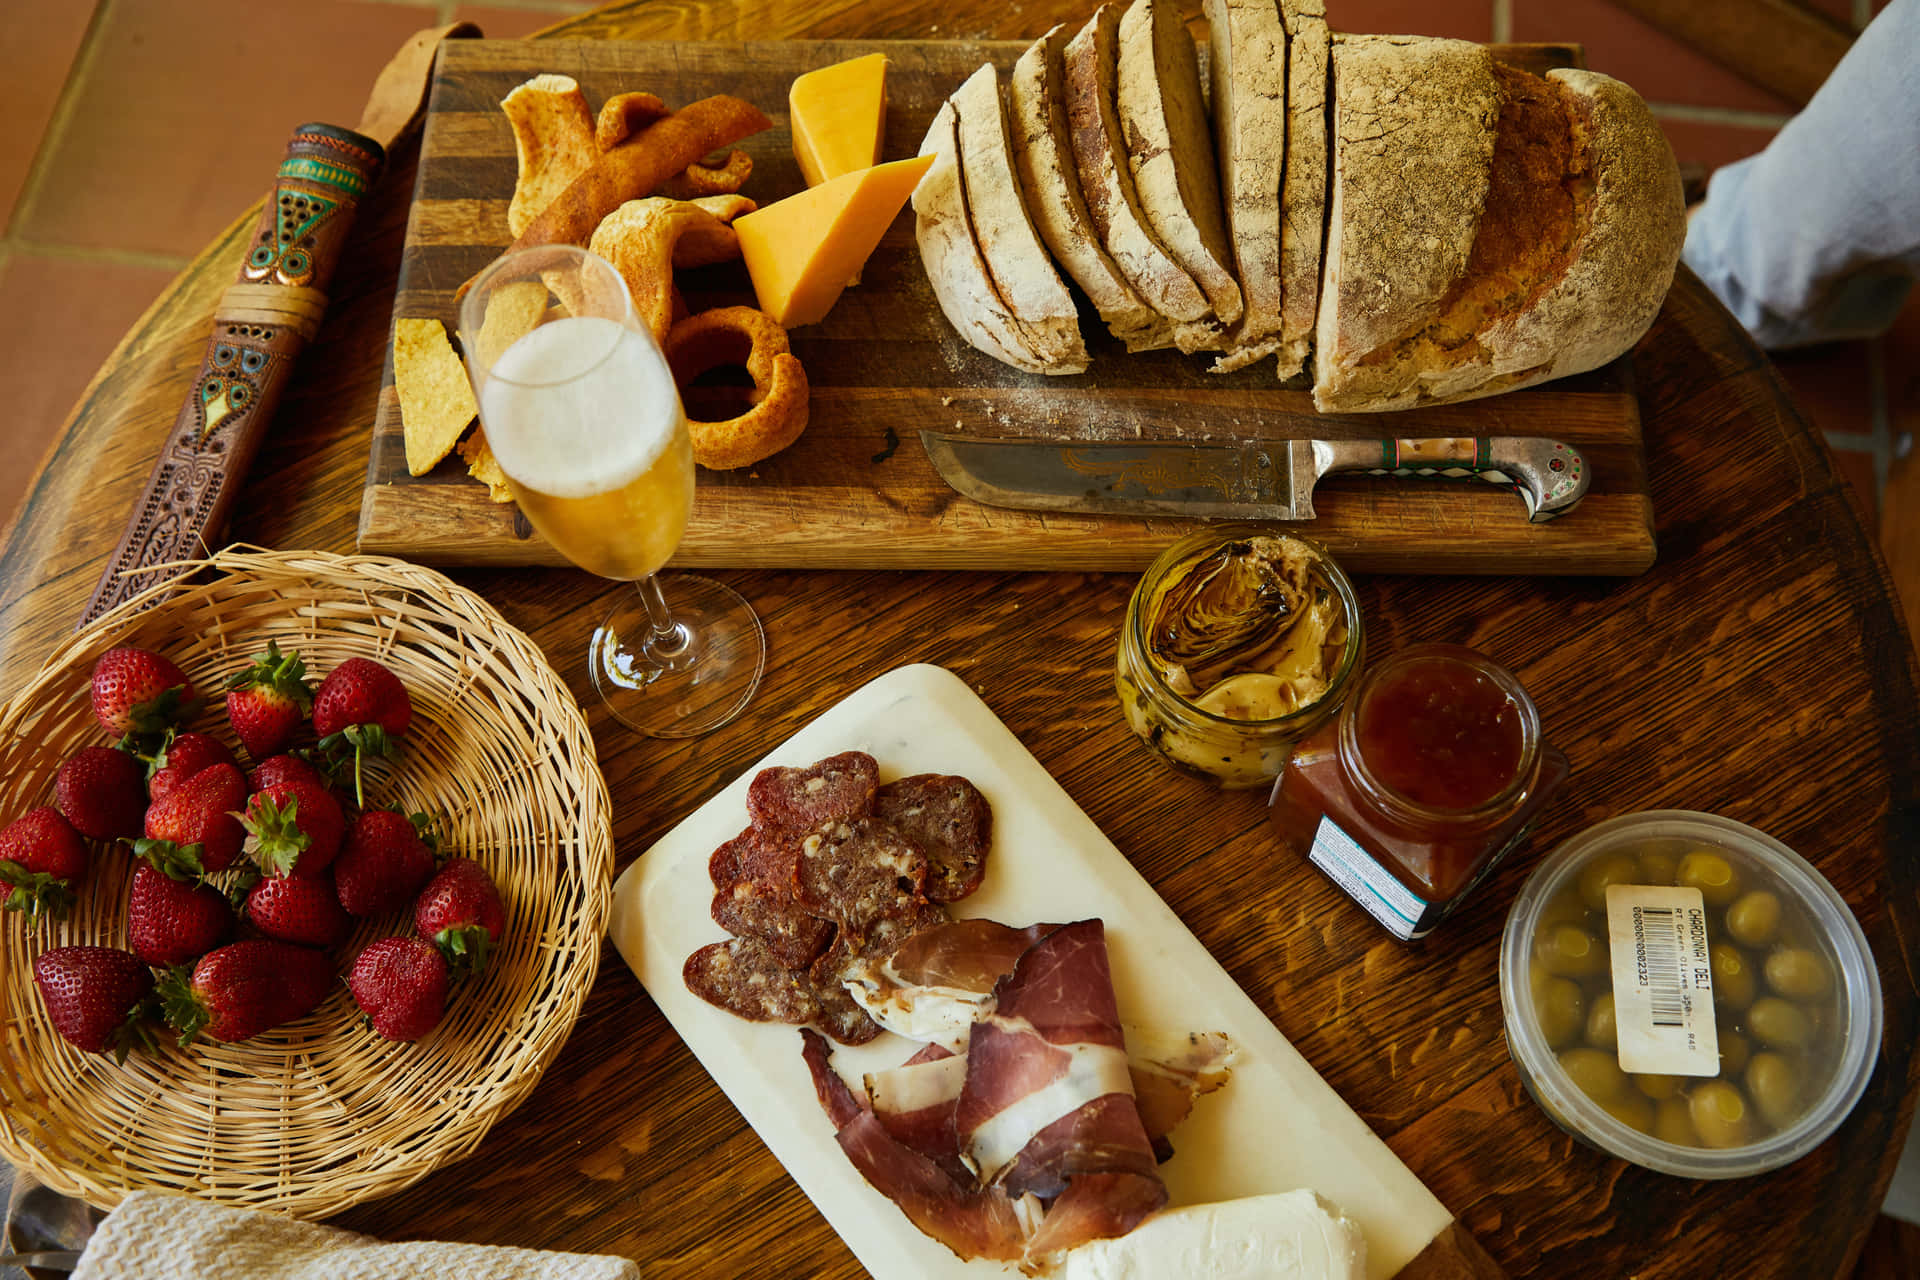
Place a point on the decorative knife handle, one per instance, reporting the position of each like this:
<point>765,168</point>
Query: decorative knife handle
<point>1549,476</point>
<point>270,312</point>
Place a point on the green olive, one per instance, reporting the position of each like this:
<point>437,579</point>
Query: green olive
<point>1754,918</point>
<point>1798,973</point>
<point>1778,1024</point>
<point>1773,1082</point>
<point>1631,1110</point>
<point>1720,1115</point>
<point>1564,907</point>
<point>1735,1049</point>
<point>1608,868</point>
<point>1710,873</point>
<point>1570,952</point>
<point>1596,1072</point>
<point>1657,868</point>
<point>1562,1007</point>
<point>1601,1032</point>
<point>1673,1122</point>
<point>1733,981</point>
<point>1657,1087</point>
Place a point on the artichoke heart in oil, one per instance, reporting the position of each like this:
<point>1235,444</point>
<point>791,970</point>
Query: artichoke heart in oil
<point>1248,630</point>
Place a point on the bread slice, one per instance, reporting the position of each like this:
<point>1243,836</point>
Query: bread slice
<point>1023,275</point>
<point>1106,181</point>
<point>1248,72</point>
<point>1043,158</point>
<point>952,258</point>
<point>1413,128</point>
<point>1170,151</point>
<point>1574,247</point>
<point>1303,188</point>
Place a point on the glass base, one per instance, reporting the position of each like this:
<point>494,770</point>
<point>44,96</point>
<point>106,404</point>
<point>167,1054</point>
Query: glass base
<point>690,681</point>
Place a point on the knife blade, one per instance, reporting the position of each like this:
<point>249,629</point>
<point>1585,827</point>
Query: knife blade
<point>1259,480</point>
<point>261,324</point>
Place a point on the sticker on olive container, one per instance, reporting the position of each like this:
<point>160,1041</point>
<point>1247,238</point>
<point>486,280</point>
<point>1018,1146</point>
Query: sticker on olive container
<point>1662,981</point>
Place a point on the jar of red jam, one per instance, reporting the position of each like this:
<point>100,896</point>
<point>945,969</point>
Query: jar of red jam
<point>1431,773</point>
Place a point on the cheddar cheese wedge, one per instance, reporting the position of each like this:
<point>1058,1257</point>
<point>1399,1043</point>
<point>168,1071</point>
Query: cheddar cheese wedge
<point>838,115</point>
<point>801,251</point>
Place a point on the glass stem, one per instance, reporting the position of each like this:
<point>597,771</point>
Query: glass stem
<point>666,639</point>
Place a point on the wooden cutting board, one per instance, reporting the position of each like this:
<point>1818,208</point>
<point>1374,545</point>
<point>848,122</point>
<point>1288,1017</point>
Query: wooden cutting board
<point>857,491</point>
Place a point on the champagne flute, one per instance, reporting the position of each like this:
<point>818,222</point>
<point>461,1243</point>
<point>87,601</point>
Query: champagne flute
<point>581,411</point>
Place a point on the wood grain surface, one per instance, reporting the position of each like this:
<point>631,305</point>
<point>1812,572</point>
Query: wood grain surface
<point>1759,670</point>
<point>857,491</point>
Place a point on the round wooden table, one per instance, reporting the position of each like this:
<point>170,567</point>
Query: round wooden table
<point>1759,670</point>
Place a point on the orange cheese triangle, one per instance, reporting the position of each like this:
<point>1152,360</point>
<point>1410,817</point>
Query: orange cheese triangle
<point>801,251</point>
<point>838,114</point>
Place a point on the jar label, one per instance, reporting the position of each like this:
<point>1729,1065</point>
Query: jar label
<point>1404,913</point>
<point>1662,980</point>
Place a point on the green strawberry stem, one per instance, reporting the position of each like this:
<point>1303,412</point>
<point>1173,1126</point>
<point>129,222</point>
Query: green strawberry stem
<point>274,838</point>
<point>36,894</point>
<point>135,1031</point>
<point>465,947</point>
<point>176,862</point>
<point>366,740</point>
<point>184,1009</point>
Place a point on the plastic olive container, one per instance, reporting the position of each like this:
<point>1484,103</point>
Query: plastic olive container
<point>1795,992</point>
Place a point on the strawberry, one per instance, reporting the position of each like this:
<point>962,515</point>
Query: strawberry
<point>275,770</point>
<point>172,921</point>
<point>459,911</point>
<point>41,858</point>
<point>387,857</point>
<point>301,909</point>
<point>267,702</point>
<point>180,757</point>
<point>401,985</point>
<point>194,828</point>
<point>102,793</point>
<point>98,998</point>
<point>364,706</point>
<point>140,693</point>
<point>293,828</point>
<point>243,989</point>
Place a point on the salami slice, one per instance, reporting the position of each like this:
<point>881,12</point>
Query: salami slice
<point>840,1014</point>
<point>750,908</point>
<point>745,978</point>
<point>951,822</point>
<point>837,789</point>
<point>723,865</point>
<point>858,870</point>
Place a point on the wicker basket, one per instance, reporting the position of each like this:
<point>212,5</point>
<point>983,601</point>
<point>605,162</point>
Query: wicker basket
<point>321,1114</point>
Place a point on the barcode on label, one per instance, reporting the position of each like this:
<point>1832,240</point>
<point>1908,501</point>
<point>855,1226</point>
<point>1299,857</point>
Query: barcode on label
<point>1659,959</point>
<point>1662,981</point>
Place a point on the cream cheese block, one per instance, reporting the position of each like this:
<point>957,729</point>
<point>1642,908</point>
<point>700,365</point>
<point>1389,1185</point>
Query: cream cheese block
<point>1294,1235</point>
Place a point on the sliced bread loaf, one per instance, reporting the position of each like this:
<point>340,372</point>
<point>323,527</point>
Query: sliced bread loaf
<point>1303,188</point>
<point>1106,181</point>
<point>952,258</point>
<point>1043,159</point>
<point>1170,150</point>
<point>1023,275</point>
<point>1247,69</point>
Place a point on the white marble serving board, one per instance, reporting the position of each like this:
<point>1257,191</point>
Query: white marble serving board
<point>1275,1126</point>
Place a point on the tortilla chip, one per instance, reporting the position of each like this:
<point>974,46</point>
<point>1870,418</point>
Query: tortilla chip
<point>513,311</point>
<point>436,400</point>
<point>484,467</point>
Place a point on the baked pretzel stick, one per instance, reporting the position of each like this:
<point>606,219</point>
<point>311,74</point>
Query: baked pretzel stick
<point>710,180</point>
<point>624,115</point>
<point>640,164</point>
<point>741,335</point>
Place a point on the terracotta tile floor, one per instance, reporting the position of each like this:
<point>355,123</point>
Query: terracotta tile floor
<point>116,167</point>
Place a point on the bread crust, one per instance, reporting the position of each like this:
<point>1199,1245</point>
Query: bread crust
<point>1043,158</point>
<point>1248,70</point>
<point>1107,184</point>
<point>1303,189</point>
<point>952,258</point>
<point>1022,273</point>
<point>1170,151</point>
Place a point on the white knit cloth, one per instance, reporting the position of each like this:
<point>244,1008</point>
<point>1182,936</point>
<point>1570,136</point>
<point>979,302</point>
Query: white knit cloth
<point>166,1237</point>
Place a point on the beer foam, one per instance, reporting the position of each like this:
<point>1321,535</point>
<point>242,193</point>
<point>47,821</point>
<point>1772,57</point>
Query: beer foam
<point>579,406</point>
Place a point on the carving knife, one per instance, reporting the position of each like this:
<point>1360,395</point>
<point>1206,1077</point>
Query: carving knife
<point>1257,480</point>
<point>262,322</point>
